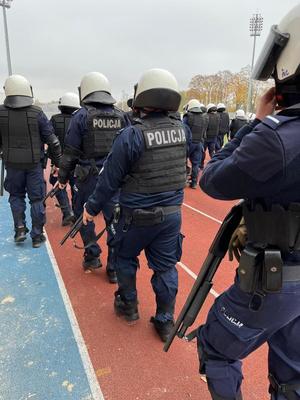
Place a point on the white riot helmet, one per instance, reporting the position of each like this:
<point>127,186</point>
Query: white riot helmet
<point>203,108</point>
<point>240,114</point>
<point>194,106</point>
<point>158,89</point>
<point>280,56</point>
<point>18,92</point>
<point>70,100</point>
<point>211,107</point>
<point>95,88</point>
<point>221,107</point>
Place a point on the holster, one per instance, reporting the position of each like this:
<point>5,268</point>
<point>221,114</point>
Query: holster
<point>141,217</point>
<point>250,269</point>
<point>260,270</point>
<point>148,216</point>
<point>272,271</point>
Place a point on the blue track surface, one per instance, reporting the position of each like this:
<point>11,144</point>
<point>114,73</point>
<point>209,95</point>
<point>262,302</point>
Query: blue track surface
<point>39,357</point>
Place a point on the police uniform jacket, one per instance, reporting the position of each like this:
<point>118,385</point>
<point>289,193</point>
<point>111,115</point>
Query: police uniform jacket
<point>224,123</point>
<point>128,148</point>
<point>261,163</point>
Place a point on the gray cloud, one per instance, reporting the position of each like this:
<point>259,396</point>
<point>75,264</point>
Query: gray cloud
<point>55,42</point>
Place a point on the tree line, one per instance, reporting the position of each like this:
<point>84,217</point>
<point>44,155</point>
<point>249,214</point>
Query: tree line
<point>225,87</point>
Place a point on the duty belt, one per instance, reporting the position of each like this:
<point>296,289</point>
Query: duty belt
<point>263,269</point>
<point>147,216</point>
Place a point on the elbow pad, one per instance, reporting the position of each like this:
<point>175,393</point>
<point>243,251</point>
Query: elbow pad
<point>68,163</point>
<point>55,149</point>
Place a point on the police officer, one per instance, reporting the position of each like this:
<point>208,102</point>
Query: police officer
<point>224,125</point>
<point>148,163</point>
<point>198,123</point>
<point>24,129</point>
<point>68,104</point>
<point>87,143</point>
<point>236,124</point>
<point>211,131</point>
<point>263,305</point>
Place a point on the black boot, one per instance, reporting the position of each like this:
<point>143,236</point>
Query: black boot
<point>68,219</point>
<point>38,240</point>
<point>193,185</point>
<point>91,263</point>
<point>128,310</point>
<point>162,328</point>
<point>112,276</point>
<point>20,234</point>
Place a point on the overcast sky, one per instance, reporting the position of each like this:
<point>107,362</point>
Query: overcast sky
<point>55,42</point>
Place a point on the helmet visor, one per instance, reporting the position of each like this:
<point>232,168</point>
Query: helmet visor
<point>267,60</point>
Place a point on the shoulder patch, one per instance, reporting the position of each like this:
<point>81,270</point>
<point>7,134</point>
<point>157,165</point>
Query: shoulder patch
<point>274,122</point>
<point>273,119</point>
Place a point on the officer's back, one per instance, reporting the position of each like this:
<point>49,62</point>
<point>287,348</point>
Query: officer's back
<point>213,123</point>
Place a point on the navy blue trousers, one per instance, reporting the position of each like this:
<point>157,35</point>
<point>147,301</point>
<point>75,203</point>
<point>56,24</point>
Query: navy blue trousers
<point>195,156</point>
<point>219,142</point>
<point>82,191</point>
<point>18,183</point>
<point>233,330</point>
<point>162,244</point>
<point>209,144</point>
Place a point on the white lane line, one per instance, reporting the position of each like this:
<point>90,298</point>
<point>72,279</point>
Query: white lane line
<point>86,361</point>
<point>203,213</point>
<point>183,266</point>
<point>194,276</point>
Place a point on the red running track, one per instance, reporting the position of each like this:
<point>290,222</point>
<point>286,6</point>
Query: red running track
<point>128,359</point>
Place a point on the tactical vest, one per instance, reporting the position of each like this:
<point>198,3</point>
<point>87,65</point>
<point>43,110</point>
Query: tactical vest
<point>102,128</point>
<point>161,167</point>
<point>236,125</point>
<point>213,125</point>
<point>224,123</point>
<point>20,134</point>
<point>61,123</point>
<point>198,125</point>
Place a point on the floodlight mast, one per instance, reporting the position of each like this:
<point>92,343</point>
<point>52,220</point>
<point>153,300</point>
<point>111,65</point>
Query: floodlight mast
<point>255,27</point>
<point>6,4</point>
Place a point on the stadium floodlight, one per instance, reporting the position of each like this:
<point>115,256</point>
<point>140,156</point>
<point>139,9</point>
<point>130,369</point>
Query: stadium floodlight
<point>6,4</point>
<point>255,27</point>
